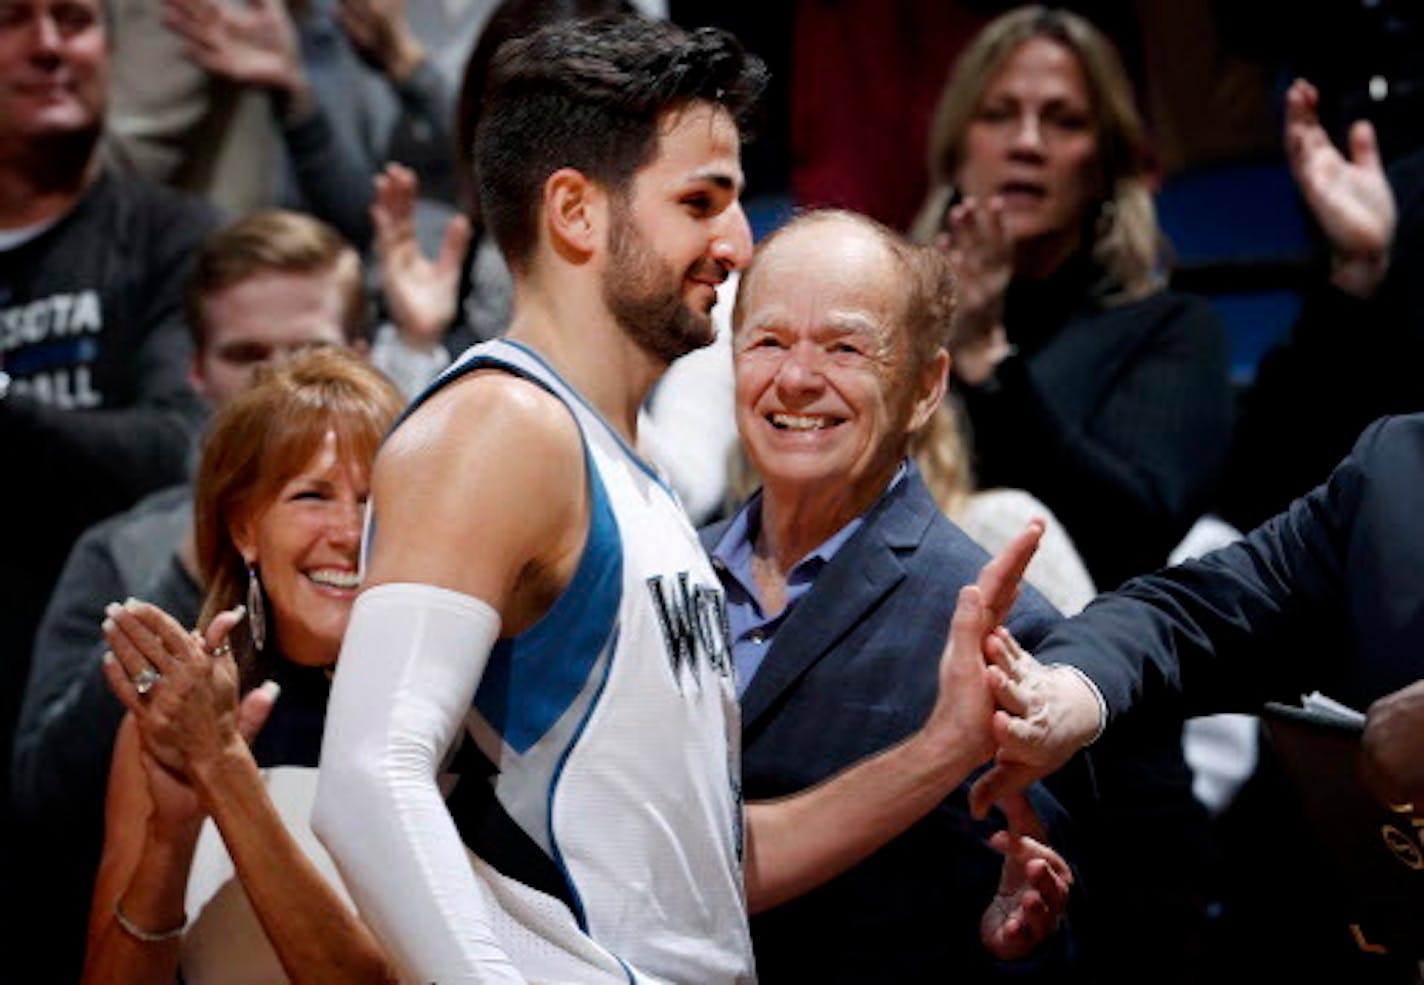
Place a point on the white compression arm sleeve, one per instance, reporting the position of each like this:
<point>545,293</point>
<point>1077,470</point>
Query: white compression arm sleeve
<point>412,658</point>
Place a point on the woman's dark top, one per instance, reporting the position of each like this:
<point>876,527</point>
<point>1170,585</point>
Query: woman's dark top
<point>1117,415</point>
<point>292,734</point>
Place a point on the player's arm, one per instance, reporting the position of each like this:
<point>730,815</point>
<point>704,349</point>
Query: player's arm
<point>479,503</point>
<point>796,843</point>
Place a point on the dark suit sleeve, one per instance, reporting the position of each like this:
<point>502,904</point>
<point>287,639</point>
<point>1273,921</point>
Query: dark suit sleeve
<point>1254,621</point>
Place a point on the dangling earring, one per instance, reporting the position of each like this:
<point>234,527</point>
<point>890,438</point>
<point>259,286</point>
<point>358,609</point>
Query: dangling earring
<point>256,615</point>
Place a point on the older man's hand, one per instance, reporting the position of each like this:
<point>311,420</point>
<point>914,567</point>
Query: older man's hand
<point>1045,715</point>
<point>1392,751</point>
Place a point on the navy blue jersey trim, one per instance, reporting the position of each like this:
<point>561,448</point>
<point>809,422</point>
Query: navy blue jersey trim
<point>459,369</point>
<point>532,679</point>
<point>637,459</point>
<point>577,906</point>
<point>487,830</point>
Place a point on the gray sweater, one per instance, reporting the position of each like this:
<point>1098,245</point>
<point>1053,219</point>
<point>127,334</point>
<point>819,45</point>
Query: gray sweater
<point>69,718</point>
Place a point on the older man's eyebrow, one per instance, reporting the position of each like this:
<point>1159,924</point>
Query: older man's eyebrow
<point>850,321</point>
<point>838,322</point>
<point>758,323</point>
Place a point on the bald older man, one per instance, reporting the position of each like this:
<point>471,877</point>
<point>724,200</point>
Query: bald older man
<point>841,575</point>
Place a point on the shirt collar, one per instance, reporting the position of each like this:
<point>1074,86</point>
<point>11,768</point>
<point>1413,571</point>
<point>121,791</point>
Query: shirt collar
<point>734,549</point>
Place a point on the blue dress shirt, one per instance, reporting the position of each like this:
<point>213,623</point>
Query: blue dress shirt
<point>752,627</point>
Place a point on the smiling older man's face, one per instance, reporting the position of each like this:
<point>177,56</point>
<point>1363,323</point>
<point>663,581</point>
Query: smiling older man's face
<point>827,388</point>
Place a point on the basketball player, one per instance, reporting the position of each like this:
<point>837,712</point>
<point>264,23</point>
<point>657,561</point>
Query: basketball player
<point>532,582</point>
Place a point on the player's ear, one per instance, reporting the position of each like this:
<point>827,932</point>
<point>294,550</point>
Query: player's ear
<point>574,212</point>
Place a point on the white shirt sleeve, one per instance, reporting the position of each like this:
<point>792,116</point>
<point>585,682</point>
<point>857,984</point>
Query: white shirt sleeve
<point>411,660</point>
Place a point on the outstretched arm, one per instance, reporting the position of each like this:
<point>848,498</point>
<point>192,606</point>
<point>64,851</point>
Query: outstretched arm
<point>1349,197</point>
<point>796,843</point>
<point>1258,620</point>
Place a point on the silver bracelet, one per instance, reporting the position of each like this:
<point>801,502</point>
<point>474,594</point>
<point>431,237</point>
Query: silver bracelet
<point>147,936</point>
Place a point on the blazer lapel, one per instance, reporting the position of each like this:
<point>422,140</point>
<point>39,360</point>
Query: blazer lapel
<point>866,567</point>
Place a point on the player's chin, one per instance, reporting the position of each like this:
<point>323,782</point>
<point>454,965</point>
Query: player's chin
<point>698,330</point>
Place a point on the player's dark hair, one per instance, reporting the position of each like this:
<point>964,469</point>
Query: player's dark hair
<point>511,19</point>
<point>589,95</point>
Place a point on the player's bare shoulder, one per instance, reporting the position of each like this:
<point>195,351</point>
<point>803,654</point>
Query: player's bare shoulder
<point>486,413</point>
<point>483,480</point>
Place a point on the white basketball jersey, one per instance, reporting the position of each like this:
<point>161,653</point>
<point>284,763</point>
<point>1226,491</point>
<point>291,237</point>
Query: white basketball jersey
<point>605,795</point>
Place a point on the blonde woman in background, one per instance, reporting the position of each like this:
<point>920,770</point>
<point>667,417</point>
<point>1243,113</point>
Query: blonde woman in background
<point>1090,385</point>
<point>1083,379</point>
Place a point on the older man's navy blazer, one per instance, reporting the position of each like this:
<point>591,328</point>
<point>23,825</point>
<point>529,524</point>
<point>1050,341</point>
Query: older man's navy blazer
<point>853,670</point>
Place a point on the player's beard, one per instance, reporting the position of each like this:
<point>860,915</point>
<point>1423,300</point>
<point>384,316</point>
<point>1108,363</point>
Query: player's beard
<point>645,295</point>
